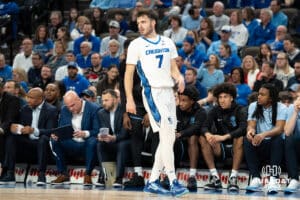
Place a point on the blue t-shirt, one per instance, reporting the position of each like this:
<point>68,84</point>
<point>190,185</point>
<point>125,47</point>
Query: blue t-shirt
<point>266,124</point>
<point>290,111</point>
<point>243,91</point>
<point>5,73</point>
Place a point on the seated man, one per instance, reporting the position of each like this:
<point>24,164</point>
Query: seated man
<point>223,129</point>
<point>190,118</point>
<point>30,135</point>
<point>292,140</point>
<point>115,143</point>
<point>9,109</point>
<point>82,115</point>
<point>266,120</point>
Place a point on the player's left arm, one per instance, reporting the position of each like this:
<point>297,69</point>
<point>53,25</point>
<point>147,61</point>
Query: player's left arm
<point>175,73</point>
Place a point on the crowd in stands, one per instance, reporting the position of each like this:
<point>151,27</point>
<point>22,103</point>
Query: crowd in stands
<point>69,73</point>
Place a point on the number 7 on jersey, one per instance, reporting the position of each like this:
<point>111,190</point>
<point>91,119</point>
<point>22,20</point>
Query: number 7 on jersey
<point>160,57</point>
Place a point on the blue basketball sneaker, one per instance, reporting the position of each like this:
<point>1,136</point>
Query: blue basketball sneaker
<point>156,188</point>
<point>177,189</point>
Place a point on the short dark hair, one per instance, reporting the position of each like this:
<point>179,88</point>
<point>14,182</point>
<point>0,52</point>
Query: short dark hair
<point>271,64</point>
<point>176,18</point>
<point>192,69</point>
<point>227,88</point>
<point>191,92</point>
<point>112,92</point>
<point>149,13</point>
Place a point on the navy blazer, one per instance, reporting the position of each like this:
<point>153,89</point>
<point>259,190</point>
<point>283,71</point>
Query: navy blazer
<point>9,111</point>
<point>90,121</point>
<point>104,117</point>
<point>47,119</point>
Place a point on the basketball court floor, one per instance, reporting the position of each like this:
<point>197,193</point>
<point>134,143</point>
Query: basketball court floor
<point>77,191</point>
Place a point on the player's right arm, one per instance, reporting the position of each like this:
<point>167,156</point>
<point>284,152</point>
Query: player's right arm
<point>128,84</point>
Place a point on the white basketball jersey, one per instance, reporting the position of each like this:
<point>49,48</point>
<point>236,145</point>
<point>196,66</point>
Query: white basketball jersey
<point>153,60</point>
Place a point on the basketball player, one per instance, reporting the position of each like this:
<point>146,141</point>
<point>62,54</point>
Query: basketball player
<point>154,56</point>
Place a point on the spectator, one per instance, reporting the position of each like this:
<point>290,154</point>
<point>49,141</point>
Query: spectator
<point>210,74</point>
<point>239,33</point>
<point>87,36</point>
<point>114,28</point>
<point>31,135</point>
<point>75,81</point>
<point>291,143</point>
<point>84,57</point>
<point>290,48</point>
<point>110,81</point>
<point>34,73</point>
<point>192,20</point>
<point>111,57</point>
<point>265,30</point>
<point>243,90</point>
<point>267,75</point>
<point>9,109</point>
<point>62,71</point>
<point>78,30</point>
<point>218,18</point>
<point>282,69</point>
<point>207,34</point>
<point>279,18</point>
<point>264,54</point>
<point>199,46</point>
<point>15,89</point>
<point>64,36</point>
<point>24,59</point>
<point>96,72</point>
<point>5,70</point>
<point>251,70</point>
<point>276,44</point>
<point>52,95</point>
<point>250,22</point>
<point>9,7</point>
<point>119,17</point>
<point>20,76</point>
<point>97,21</point>
<point>56,21</point>
<point>192,57</point>
<point>191,79</point>
<point>190,118</point>
<point>224,38</point>
<point>42,43</point>
<point>59,58</point>
<point>296,78</point>
<point>266,119</point>
<point>46,78</point>
<point>228,60</point>
<point>116,143</point>
<point>224,129</point>
<point>70,23</point>
<point>82,116</point>
<point>176,32</point>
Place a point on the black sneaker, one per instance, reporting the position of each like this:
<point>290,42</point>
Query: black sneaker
<point>41,179</point>
<point>165,183</point>
<point>232,184</point>
<point>135,181</point>
<point>8,178</point>
<point>192,184</point>
<point>118,183</point>
<point>100,182</point>
<point>214,183</point>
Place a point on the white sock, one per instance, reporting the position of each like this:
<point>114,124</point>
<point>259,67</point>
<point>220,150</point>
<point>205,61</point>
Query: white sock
<point>214,172</point>
<point>193,172</point>
<point>234,173</point>
<point>138,170</point>
<point>172,176</point>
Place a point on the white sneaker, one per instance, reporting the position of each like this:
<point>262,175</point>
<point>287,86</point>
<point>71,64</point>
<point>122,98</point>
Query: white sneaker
<point>273,186</point>
<point>292,187</point>
<point>255,185</point>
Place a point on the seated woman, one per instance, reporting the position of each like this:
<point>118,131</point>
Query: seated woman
<point>251,70</point>
<point>243,90</point>
<point>228,60</point>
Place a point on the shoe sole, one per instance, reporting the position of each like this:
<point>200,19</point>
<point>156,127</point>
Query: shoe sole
<point>253,190</point>
<point>63,183</point>
<point>155,192</point>
<point>8,183</point>
<point>99,185</point>
<point>87,184</point>
<point>181,194</point>
<point>40,183</point>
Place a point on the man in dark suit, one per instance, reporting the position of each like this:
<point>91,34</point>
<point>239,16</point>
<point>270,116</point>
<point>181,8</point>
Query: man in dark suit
<point>9,112</point>
<point>82,115</point>
<point>115,144</point>
<point>30,135</point>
